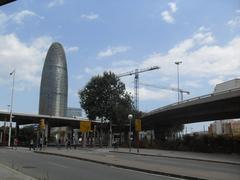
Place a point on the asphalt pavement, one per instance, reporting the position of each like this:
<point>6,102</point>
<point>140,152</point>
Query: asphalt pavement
<point>48,167</point>
<point>176,167</point>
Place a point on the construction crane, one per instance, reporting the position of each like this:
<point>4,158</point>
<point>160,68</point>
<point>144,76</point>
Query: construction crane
<point>136,73</point>
<point>168,88</point>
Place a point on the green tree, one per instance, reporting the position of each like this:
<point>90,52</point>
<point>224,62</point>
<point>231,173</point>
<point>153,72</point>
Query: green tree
<point>106,97</point>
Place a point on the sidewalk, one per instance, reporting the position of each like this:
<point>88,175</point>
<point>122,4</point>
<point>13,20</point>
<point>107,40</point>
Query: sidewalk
<point>214,157</point>
<point>110,157</point>
<point>6,173</point>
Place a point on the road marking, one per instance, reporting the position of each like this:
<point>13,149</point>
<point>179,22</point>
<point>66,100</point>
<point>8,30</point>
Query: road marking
<point>59,165</point>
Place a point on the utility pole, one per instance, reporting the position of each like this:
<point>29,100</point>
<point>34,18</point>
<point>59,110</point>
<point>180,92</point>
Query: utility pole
<point>178,63</point>
<point>11,107</point>
<point>130,116</point>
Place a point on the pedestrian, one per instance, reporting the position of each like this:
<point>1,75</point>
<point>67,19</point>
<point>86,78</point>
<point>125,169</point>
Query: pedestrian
<point>69,143</point>
<point>59,143</point>
<point>66,143</point>
<point>40,143</point>
<point>74,143</point>
<point>31,145</point>
<point>15,143</point>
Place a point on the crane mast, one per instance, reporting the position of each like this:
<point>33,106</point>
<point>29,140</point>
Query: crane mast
<point>136,73</point>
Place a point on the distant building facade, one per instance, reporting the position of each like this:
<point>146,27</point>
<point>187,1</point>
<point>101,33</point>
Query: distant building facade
<point>235,128</point>
<point>225,127</point>
<point>54,83</point>
<point>227,85</point>
<point>74,112</point>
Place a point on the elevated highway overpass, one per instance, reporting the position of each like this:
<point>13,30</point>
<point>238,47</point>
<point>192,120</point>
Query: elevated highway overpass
<point>53,121</point>
<point>215,106</point>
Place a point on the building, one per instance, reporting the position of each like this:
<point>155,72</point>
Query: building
<point>227,85</point>
<point>74,112</point>
<point>235,128</point>
<point>54,83</point>
<point>225,127</point>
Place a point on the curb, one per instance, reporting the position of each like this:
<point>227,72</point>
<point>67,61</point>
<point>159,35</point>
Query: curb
<point>177,157</point>
<point>124,167</point>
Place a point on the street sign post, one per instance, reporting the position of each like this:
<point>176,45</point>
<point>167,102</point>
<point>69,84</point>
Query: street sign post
<point>42,124</point>
<point>85,126</point>
<point>138,127</point>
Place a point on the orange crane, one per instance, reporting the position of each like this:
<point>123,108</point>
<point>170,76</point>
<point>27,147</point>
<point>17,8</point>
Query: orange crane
<point>136,73</point>
<point>168,88</point>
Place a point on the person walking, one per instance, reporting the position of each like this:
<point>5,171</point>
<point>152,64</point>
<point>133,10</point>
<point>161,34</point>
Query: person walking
<point>74,143</point>
<point>15,143</point>
<point>40,143</point>
<point>31,146</point>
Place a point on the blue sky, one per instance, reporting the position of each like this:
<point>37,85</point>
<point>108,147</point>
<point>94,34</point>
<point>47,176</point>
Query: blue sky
<point>120,36</point>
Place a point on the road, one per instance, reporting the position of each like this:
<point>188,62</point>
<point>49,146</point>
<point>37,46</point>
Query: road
<point>59,168</point>
<point>196,167</point>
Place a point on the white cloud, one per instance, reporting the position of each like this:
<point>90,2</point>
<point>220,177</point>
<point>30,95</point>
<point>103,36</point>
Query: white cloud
<point>235,22</point>
<point>203,29</point>
<point>20,16</point>
<point>90,17</point>
<point>237,11</point>
<point>215,81</point>
<point>173,7</point>
<point>94,71</point>
<point>26,58</point>
<point>122,63</point>
<point>17,17</point>
<point>192,84</point>
<point>72,49</point>
<point>113,51</point>
<point>3,20</point>
<point>147,94</point>
<point>201,57</point>
<point>167,15</point>
<point>197,40</point>
<point>55,3</point>
<point>78,77</point>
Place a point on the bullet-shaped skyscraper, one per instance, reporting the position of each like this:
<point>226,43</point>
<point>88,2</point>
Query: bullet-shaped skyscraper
<point>54,83</point>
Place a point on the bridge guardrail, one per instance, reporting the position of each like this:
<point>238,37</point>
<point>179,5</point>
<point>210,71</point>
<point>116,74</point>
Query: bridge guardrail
<point>193,99</point>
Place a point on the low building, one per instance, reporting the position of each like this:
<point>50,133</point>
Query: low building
<point>227,85</point>
<point>235,128</point>
<point>225,127</point>
<point>74,112</point>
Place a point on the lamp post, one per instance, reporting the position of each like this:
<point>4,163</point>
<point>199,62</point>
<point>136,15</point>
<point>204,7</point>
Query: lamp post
<point>178,63</point>
<point>11,116</point>
<point>130,116</point>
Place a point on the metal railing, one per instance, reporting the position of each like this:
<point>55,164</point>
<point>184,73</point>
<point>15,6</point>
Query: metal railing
<point>193,99</point>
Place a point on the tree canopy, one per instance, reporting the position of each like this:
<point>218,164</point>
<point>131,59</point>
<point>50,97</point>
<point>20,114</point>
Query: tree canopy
<point>106,97</point>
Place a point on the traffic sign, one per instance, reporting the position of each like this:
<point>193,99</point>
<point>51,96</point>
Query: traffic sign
<point>138,125</point>
<point>35,127</point>
<point>42,123</point>
<point>85,126</point>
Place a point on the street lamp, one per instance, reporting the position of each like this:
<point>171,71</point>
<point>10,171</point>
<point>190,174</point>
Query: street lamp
<point>178,63</point>
<point>11,116</point>
<point>130,116</point>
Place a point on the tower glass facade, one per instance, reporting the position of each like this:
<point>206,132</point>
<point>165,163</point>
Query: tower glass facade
<point>54,83</point>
